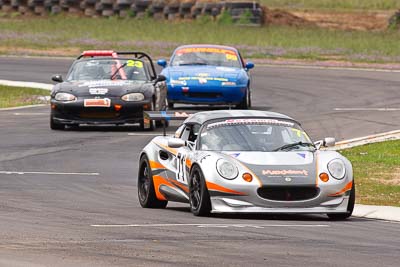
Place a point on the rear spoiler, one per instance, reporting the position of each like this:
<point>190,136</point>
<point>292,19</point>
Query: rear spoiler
<point>164,116</point>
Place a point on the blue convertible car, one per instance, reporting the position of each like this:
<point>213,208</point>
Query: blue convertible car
<point>207,74</point>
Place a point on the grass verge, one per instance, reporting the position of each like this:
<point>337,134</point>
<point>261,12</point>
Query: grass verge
<point>60,35</point>
<point>334,4</point>
<point>376,172</point>
<point>21,96</point>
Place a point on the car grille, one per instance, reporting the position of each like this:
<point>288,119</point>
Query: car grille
<point>293,193</point>
<point>203,95</point>
<point>99,115</point>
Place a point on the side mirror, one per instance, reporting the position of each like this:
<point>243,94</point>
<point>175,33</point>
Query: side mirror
<point>57,78</point>
<point>162,63</point>
<point>161,78</point>
<point>327,142</point>
<point>249,65</point>
<point>176,143</point>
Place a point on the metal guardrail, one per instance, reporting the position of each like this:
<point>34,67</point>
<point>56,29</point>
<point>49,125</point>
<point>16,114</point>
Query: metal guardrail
<point>158,9</point>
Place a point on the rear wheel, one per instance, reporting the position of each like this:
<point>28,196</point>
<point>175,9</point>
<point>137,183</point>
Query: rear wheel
<point>350,207</point>
<point>170,105</point>
<point>200,203</point>
<point>54,125</point>
<point>146,192</point>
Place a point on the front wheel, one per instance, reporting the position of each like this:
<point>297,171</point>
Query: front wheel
<point>246,101</point>
<point>350,207</point>
<point>146,192</point>
<point>200,203</point>
<point>54,125</point>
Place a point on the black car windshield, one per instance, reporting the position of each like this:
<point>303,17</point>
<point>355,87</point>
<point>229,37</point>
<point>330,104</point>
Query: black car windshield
<point>206,56</point>
<point>254,134</point>
<point>108,69</point>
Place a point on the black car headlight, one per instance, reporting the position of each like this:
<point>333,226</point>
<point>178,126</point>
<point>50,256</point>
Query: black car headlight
<point>133,97</point>
<point>227,169</point>
<point>65,97</point>
<point>337,169</point>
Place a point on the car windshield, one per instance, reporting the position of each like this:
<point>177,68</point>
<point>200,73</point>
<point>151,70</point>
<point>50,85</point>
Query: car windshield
<point>108,69</point>
<point>254,134</point>
<point>206,56</point>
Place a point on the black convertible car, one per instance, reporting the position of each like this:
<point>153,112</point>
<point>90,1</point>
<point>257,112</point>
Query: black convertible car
<point>108,87</point>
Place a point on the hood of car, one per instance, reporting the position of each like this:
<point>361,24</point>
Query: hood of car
<point>206,72</point>
<point>277,168</point>
<point>103,87</point>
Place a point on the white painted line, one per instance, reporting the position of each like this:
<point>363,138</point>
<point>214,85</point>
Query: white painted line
<point>51,173</point>
<point>23,107</point>
<point>293,66</point>
<point>367,109</point>
<point>30,114</point>
<point>200,225</point>
<point>375,138</point>
<point>45,86</point>
<point>148,134</point>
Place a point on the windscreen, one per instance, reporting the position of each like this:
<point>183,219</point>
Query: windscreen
<point>206,56</point>
<point>254,135</point>
<point>108,69</point>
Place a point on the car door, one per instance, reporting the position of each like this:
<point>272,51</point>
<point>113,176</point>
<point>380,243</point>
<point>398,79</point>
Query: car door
<point>189,134</point>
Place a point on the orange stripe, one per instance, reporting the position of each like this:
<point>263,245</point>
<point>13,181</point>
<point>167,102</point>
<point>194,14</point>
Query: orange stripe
<point>345,189</point>
<point>215,187</point>
<point>158,181</point>
<point>181,186</point>
<point>156,165</point>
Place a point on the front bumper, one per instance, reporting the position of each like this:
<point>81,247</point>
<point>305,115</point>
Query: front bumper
<point>206,94</point>
<point>119,112</point>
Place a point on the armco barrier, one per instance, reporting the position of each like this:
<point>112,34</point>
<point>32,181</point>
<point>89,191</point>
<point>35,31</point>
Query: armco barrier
<point>166,9</point>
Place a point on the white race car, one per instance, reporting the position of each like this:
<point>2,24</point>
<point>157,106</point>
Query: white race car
<point>244,161</point>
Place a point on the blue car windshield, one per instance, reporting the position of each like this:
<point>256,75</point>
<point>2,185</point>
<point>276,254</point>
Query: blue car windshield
<point>254,135</point>
<point>206,56</point>
<point>108,69</point>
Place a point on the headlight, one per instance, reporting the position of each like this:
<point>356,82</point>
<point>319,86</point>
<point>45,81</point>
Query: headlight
<point>133,97</point>
<point>228,84</point>
<point>226,169</point>
<point>337,169</point>
<point>65,97</point>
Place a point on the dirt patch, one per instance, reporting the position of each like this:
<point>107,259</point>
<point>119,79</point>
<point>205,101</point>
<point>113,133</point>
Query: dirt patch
<point>364,21</point>
<point>282,17</point>
<point>392,178</point>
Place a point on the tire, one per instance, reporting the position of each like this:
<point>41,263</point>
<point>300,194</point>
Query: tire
<point>54,125</point>
<point>200,203</point>
<point>246,101</point>
<point>146,192</point>
<point>350,207</point>
<point>170,105</point>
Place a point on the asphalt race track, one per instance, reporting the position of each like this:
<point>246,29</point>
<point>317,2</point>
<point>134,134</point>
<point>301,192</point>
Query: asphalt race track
<point>68,198</point>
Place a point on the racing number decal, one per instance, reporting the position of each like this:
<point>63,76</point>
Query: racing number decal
<point>181,168</point>
<point>134,63</point>
<point>231,57</point>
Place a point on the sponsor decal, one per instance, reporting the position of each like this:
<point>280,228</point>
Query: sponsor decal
<point>206,50</point>
<point>303,155</point>
<point>202,81</point>
<point>98,91</point>
<point>104,102</point>
<point>101,83</point>
<point>250,121</point>
<point>285,172</point>
<point>202,74</point>
<point>220,79</point>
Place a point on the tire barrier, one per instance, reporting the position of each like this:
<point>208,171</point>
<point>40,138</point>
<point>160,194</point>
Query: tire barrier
<point>241,12</point>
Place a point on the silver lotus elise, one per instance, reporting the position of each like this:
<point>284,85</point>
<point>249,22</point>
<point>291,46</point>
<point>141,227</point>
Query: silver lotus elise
<point>244,161</point>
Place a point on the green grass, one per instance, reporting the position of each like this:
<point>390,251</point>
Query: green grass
<point>376,172</point>
<point>334,4</point>
<point>20,96</point>
<point>72,35</point>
